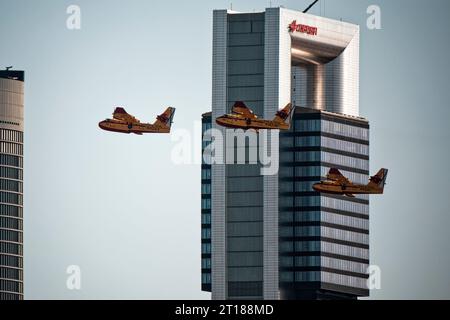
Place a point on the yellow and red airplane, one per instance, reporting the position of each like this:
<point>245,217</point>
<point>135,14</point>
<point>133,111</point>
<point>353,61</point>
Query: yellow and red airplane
<point>126,123</point>
<point>336,183</point>
<point>241,117</point>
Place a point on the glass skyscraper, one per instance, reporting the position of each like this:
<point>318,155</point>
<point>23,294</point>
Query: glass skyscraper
<point>11,184</point>
<point>272,236</point>
<point>324,238</point>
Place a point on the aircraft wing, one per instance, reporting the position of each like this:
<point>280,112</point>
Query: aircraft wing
<point>121,114</point>
<point>336,175</point>
<point>241,109</point>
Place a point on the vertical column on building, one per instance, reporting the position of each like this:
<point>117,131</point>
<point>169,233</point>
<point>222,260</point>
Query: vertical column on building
<point>277,92</point>
<point>218,200</point>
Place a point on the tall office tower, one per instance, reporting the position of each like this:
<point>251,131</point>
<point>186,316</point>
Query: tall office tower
<point>11,185</point>
<point>267,60</point>
<point>324,238</point>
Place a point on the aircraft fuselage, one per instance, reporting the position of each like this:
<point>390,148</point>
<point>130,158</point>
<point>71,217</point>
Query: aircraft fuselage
<point>238,122</point>
<point>136,128</point>
<point>333,188</point>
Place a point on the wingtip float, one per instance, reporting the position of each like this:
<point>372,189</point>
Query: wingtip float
<point>124,122</point>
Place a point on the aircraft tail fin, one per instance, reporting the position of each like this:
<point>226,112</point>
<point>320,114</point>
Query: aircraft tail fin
<point>120,110</point>
<point>285,115</point>
<point>166,118</point>
<point>379,180</point>
<point>120,113</point>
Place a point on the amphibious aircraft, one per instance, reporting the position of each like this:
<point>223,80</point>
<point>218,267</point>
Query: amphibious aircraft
<point>241,117</point>
<point>336,183</point>
<point>126,123</point>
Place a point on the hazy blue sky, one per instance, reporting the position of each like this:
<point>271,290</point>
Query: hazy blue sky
<point>120,209</point>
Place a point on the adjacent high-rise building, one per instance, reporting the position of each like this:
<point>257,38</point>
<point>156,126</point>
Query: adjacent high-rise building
<point>11,184</point>
<point>323,238</point>
<point>272,236</point>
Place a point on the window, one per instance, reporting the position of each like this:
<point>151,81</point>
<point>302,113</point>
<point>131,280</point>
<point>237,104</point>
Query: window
<point>307,276</point>
<point>206,174</point>
<point>10,296</point>
<point>206,248</point>
<point>344,250</point>
<point>308,171</point>
<point>206,126</point>
<point>12,148</point>
<point>206,204</point>
<point>11,135</point>
<point>206,278</point>
<point>13,198</point>
<point>11,261</point>
<point>345,161</point>
<point>11,185</point>
<point>206,263</point>
<point>10,160</point>
<point>344,265</point>
<point>286,246</point>
<point>9,273</point>
<point>11,286</point>
<point>206,218</point>
<point>10,223</point>
<point>11,173</point>
<point>286,276</point>
<point>307,141</point>
<point>344,280</point>
<point>206,188</point>
<point>11,211</point>
<point>307,216</point>
<point>309,231</point>
<point>345,220</point>
<point>12,248</point>
<point>307,261</point>
<point>304,186</point>
<point>206,233</point>
<point>307,156</point>
<point>345,146</point>
<point>10,235</point>
<point>345,130</point>
<point>344,205</point>
<point>345,235</point>
<point>307,125</point>
<point>286,262</point>
<point>307,246</point>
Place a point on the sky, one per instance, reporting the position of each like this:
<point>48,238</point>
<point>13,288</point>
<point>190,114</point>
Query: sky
<point>118,207</point>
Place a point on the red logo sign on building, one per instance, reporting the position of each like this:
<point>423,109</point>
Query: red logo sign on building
<point>294,27</point>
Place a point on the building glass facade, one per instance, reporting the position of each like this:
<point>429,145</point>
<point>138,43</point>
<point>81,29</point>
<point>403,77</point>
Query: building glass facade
<point>11,185</point>
<point>324,239</point>
<point>255,251</point>
<point>206,210</point>
<point>244,184</point>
